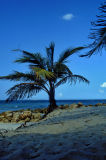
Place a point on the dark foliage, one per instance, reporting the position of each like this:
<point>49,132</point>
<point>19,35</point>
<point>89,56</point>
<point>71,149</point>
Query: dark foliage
<point>98,32</point>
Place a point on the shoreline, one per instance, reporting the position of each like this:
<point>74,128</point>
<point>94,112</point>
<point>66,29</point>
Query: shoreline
<point>29,115</point>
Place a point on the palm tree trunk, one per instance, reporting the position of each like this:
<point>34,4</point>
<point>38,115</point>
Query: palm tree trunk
<point>52,100</point>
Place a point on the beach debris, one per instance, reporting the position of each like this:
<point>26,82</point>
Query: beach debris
<point>100,104</point>
<point>2,132</point>
<point>25,114</point>
<point>73,106</point>
<point>21,126</point>
<point>80,104</point>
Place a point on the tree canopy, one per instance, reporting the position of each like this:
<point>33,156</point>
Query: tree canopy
<point>45,74</point>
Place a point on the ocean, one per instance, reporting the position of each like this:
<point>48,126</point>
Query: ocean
<point>33,104</point>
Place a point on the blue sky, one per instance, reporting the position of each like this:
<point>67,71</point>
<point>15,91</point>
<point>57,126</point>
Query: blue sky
<point>32,24</point>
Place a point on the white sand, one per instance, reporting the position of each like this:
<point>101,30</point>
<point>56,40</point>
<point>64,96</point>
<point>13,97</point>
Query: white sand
<point>78,134</point>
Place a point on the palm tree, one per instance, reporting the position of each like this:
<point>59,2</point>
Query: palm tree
<point>45,74</point>
<point>98,32</point>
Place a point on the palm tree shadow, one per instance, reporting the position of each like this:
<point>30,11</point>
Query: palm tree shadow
<point>86,144</point>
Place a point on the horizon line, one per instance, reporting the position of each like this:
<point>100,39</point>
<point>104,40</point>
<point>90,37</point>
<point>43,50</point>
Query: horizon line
<point>56,99</point>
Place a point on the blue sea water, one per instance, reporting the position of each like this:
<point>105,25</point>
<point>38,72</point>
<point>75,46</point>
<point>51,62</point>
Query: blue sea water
<point>33,104</point>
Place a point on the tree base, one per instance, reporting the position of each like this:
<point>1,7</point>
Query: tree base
<point>51,108</point>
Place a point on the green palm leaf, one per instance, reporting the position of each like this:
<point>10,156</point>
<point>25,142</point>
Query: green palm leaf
<point>42,73</point>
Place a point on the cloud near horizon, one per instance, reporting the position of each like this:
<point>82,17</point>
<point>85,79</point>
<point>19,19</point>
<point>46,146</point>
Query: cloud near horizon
<point>68,16</point>
<point>60,94</point>
<point>103,85</point>
<point>101,91</point>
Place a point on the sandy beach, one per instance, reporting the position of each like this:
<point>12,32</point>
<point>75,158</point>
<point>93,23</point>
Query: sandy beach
<point>65,134</point>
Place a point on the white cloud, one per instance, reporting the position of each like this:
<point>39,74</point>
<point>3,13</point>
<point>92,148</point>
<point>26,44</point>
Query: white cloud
<point>103,85</point>
<point>68,16</point>
<point>101,91</point>
<point>60,94</point>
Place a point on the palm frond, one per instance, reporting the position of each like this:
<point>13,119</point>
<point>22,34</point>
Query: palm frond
<point>32,58</point>
<point>43,74</point>
<point>50,50</point>
<point>50,56</point>
<point>61,81</point>
<point>60,69</point>
<point>98,33</point>
<point>25,53</point>
<point>24,59</point>
<point>97,45</point>
<point>67,53</point>
<point>16,76</point>
<point>22,90</point>
<point>80,78</point>
<point>71,79</point>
